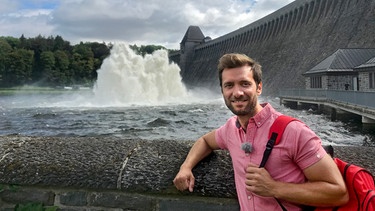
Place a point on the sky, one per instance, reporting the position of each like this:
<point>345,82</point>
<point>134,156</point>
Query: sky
<point>140,22</point>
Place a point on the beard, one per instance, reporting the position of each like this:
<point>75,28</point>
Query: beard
<point>248,109</point>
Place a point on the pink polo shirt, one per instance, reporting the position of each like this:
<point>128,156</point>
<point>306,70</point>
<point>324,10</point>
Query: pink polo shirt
<point>298,149</point>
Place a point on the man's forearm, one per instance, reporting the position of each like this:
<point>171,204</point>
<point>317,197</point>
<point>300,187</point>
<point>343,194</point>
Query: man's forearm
<point>198,151</point>
<point>319,194</point>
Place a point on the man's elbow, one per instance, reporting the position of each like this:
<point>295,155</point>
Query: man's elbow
<point>342,196</point>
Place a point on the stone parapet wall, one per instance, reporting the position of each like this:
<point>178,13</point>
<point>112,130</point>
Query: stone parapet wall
<point>107,173</point>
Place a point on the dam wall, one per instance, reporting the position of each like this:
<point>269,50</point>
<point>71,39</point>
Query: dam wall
<point>107,173</point>
<point>287,43</point>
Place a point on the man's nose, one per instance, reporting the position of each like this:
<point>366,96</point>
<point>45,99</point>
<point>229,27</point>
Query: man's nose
<point>237,91</point>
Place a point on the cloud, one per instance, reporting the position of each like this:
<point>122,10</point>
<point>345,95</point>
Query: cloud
<point>161,22</point>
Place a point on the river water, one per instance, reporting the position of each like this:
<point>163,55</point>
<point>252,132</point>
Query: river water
<point>63,115</point>
<point>150,103</point>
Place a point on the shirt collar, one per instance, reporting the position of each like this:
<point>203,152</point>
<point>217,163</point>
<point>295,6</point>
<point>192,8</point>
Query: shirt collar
<point>260,117</point>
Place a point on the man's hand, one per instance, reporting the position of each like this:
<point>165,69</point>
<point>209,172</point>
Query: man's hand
<point>184,180</point>
<point>259,181</point>
<point>201,148</point>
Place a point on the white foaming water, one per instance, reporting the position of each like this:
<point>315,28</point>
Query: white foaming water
<point>126,78</point>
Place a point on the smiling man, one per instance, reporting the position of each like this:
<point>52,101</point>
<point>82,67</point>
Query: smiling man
<point>298,173</point>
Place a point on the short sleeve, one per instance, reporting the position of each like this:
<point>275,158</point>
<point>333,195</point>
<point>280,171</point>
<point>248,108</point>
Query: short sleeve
<point>222,133</point>
<point>307,149</point>
<point>220,137</point>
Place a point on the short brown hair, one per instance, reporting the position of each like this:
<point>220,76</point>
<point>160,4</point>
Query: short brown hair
<point>234,60</point>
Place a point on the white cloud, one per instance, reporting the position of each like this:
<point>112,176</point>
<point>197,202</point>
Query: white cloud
<point>159,22</point>
<point>8,6</point>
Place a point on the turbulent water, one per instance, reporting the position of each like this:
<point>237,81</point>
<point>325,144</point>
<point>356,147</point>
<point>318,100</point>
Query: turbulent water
<point>126,77</point>
<point>51,115</point>
<point>142,98</point>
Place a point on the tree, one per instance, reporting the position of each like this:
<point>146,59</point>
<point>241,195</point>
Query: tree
<point>83,63</point>
<point>18,67</point>
<point>5,49</point>
<point>62,66</point>
<point>60,44</point>
<point>47,64</point>
<point>100,51</point>
<point>23,42</point>
<point>149,49</point>
<point>13,42</point>
<point>38,45</point>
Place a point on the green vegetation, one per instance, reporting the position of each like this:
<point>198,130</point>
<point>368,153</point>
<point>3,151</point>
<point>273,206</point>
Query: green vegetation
<point>10,187</point>
<point>52,61</point>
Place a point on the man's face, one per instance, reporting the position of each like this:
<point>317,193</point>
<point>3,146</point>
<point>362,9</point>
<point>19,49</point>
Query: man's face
<point>240,91</point>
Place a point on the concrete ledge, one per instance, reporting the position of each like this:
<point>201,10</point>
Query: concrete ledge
<point>54,169</point>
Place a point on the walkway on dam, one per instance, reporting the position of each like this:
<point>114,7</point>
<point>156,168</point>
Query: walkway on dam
<point>354,102</point>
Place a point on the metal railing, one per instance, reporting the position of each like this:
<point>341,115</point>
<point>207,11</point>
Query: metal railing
<point>363,99</point>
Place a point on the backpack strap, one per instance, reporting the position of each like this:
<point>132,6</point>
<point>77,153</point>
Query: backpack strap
<point>278,127</point>
<point>274,136</point>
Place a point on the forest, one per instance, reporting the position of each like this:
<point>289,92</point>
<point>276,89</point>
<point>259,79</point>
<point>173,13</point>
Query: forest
<point>53,62</point>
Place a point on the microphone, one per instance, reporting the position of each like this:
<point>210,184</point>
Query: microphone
<point>247,147</point>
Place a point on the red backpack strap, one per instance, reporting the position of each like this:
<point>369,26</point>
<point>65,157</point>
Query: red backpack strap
<point>278,127</point>
<point>275,134</point>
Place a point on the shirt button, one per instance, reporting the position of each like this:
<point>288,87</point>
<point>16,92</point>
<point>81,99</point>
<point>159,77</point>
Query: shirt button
<point>248,197</point>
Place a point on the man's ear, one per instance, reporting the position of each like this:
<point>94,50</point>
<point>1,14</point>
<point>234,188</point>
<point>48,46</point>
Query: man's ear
<point>259,88</point>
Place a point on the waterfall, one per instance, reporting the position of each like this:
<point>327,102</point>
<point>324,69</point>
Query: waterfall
<point>126,78</point>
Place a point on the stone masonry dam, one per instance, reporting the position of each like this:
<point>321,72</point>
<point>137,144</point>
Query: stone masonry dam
<point>287,43</point>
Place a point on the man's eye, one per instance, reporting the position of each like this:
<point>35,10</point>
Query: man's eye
<point>228,85</point>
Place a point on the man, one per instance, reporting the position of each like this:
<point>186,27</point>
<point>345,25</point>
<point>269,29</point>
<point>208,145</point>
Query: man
<point>298,173</point>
